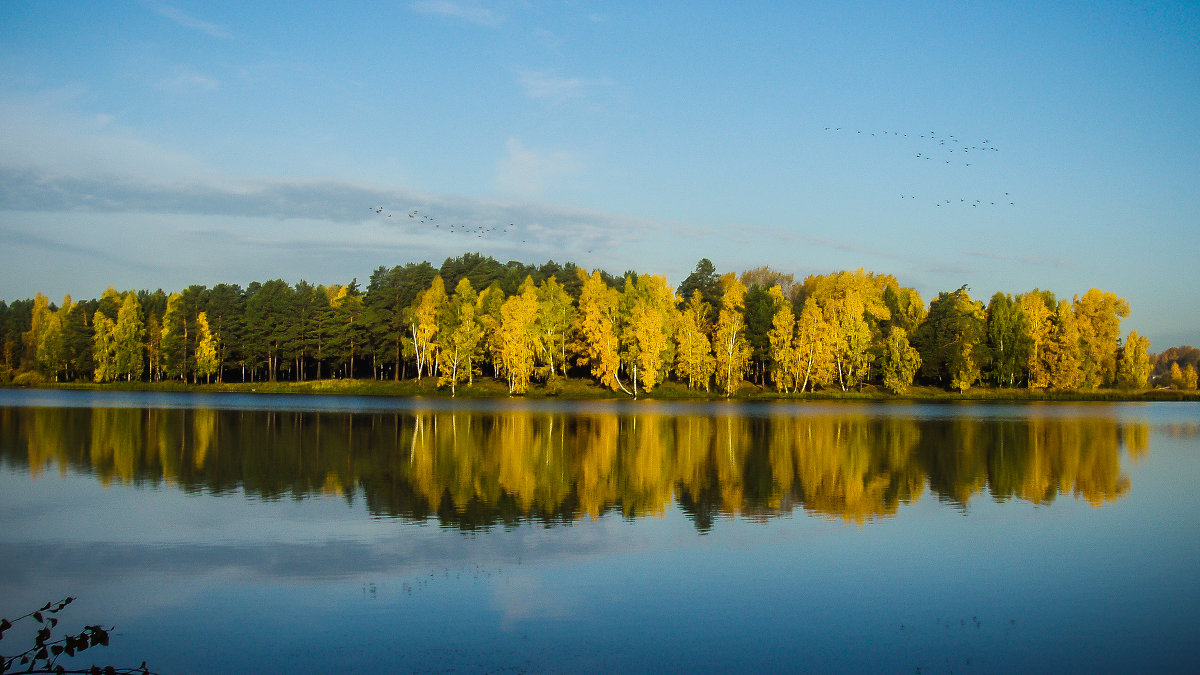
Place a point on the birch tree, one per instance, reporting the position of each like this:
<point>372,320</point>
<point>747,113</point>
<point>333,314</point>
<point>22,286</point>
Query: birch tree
<point>729,340</point>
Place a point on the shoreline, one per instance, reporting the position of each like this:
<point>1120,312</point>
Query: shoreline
<point>571,389</point>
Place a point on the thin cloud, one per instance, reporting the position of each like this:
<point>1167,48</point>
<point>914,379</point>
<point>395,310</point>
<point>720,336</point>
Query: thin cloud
<point>188,21</point>
<point>465,10</point>
<point>56,248</point>
<point>188,82</point>
<point>525,171</point>
<point>1026,259</point>
<point>549,85</point>
<point>505,225</point>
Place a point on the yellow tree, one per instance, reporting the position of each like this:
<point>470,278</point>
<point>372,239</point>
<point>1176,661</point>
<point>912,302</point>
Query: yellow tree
<point>900,361</point>
<point>1066,371</point>
<point>519,338</point>
<point>460,339</point>
<point>1039,321</point>
<point>423,325</point>
<point>785,362</point>
<point>103,353</point>
<point>694,360</point>
<point>40,318</point>
<point>206,348</point>
<point>52,343</point>
<point>487,313</point>
<point>853,305</point>
<point>814,348</point>
<point>1099,315</point>
<point>555,315</point>
<point>649,320</point>
<point>1182,377</point>
<point>1175,376</point>
<point>596,323</point>
<point>1133,367</point>
<point>127,337</point>
<point>732,350</point>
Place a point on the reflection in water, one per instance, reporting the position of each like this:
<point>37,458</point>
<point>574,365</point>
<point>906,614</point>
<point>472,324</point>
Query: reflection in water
<point>472,469</point>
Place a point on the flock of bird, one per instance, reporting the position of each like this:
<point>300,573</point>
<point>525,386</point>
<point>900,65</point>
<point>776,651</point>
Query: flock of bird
<point>941,149</point>
<point>425,220</point>
<point>947,143</point>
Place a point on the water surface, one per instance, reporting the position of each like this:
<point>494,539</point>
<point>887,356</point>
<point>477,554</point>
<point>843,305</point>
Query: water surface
<point>310,534</point>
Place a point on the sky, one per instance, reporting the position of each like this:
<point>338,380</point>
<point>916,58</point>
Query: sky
<point>1006,146</point>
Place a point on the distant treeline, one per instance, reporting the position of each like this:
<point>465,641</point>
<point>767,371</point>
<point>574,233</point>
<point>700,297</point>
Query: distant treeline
<point>519,323</point>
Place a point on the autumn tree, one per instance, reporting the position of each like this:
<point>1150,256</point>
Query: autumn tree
<point>1133,363</point>
<point>40,318</point>
<point>853,310</point>
<point>174,339</point>
<point>1039,309</point>
<point>648,325</point>
<point>127,337</point>
<point>1065,353</point>
<point>206,349</point>
<point>785,361</point>
<point>694,361</point>
<point>900,361</point>
<point>519,338</point>
<point>814,347</point>
<point>52,347</point>
<point>905,306</point>
<point>596,331</point>
<point>461,337</point>
<point>729,339</point>
<point>103,353</point>
<point>1098,315</point>
<point>423,324</point>
<point>556,313</point>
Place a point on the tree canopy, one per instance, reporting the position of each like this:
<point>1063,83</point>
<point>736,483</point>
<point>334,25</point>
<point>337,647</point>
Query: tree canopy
<point>522,324</point>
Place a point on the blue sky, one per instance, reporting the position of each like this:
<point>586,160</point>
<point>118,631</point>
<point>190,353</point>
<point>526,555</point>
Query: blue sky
<point>159,144</point>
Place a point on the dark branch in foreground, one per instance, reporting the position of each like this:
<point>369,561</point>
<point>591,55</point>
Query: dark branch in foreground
<point>43,656</point>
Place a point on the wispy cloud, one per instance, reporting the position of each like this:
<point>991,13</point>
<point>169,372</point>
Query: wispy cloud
<point>186,81</point>
<point>465,10</point>
<point>186,20</point>
<point>525,171</point>
<point>1025,259</point>
<point>554,88</point>
<point>41,136</point>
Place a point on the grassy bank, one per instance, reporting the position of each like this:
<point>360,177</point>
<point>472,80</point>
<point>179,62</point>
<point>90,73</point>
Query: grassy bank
<point>572,388</point>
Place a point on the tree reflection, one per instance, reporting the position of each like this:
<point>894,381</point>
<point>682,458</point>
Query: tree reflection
<point>471,469</point>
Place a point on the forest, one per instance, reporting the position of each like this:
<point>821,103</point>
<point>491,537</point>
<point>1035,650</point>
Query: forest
<point>526,325</point>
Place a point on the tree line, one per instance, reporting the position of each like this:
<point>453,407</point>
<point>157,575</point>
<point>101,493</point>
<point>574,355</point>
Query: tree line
<point>523,324</point>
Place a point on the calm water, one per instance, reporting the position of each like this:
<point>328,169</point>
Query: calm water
<point>318,534</point>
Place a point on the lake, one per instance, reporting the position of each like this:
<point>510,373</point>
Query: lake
<point>262,533</point>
